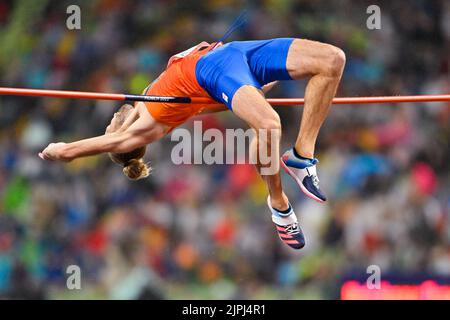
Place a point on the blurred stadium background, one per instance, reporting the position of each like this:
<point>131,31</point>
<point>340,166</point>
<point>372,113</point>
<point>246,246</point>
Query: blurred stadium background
<point>204,231</point>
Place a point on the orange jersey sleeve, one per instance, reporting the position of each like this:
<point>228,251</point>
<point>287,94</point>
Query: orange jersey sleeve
<point>178,80</point>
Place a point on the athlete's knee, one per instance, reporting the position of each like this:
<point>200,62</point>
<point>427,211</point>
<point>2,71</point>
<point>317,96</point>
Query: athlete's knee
<point>271,124</point>
<point>335,61</point>
<point>310,58</point>
<point>269,134</point>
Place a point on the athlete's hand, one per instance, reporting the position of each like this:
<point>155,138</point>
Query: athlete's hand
<point>53,152</point>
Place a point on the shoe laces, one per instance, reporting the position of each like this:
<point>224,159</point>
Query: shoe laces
<point>315,180</point>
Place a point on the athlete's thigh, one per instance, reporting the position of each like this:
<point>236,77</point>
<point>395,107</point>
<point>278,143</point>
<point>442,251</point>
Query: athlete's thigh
<point>250,105</point>
<point>267,58</point>
<point>222,72</point>
<point>214,108</point>
<point>306,58</point>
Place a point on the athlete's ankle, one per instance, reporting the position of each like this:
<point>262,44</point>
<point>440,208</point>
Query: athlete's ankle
<point>302,154</point>
<point>280,204</point>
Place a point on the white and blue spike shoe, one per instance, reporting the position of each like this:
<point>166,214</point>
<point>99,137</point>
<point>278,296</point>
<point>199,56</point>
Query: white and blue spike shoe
<point>303,171</point>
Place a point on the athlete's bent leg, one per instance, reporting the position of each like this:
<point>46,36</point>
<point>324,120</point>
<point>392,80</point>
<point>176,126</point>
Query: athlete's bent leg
<point>251,106</point>
<point>324,63</point>
<point>278,198</point>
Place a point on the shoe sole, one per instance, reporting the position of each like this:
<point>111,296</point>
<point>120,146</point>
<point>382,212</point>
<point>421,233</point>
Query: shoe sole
<point>300,184</point>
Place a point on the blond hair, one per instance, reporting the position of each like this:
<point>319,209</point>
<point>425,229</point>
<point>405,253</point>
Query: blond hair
<point>133,163</point>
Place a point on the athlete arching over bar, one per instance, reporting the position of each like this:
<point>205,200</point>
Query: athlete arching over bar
<point>237,75</point>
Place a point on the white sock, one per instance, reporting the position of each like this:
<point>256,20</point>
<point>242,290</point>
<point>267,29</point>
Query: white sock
<point>280,218</point>
<point>284,221</point>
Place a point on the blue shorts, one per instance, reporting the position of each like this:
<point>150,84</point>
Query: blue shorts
<point>224,70</point>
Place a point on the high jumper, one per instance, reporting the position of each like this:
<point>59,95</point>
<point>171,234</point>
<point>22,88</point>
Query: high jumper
<point>234,76</point>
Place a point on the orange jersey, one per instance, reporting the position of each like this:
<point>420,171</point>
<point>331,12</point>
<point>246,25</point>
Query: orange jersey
<point>178,80</point>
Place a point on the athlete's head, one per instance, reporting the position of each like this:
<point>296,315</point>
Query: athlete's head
<point>133,164</point>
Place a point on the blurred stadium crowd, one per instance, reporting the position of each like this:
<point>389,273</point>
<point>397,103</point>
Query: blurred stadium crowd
<point>204,231</point>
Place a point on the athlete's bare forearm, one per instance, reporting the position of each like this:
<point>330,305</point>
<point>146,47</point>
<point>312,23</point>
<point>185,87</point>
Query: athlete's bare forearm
<point>113,142</point>
<point>140,133</point>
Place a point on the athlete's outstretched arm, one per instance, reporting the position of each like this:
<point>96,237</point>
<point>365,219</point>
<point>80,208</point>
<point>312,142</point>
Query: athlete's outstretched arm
<point>142,132</point>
